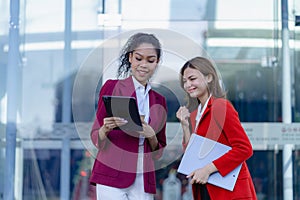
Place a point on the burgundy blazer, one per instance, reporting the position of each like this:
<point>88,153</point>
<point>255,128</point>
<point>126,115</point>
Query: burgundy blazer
<point>116,162</point>
<point>220,122</point>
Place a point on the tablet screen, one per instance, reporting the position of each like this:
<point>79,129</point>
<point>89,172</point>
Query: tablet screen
<point>126,108</point>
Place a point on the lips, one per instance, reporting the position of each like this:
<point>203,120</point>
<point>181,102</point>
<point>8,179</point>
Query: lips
<point>142,72</point>
<point>191,90</point>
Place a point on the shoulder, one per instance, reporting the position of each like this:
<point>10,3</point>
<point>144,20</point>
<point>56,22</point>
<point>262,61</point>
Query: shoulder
<point>108,86</point>
<point>158,98</point>
<point>221,104</point>
<point>158,95</point>
<point>110,82</point>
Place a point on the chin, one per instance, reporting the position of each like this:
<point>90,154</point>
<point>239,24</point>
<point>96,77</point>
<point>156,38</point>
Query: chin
<point>142,81</point>
<point>192,95</point>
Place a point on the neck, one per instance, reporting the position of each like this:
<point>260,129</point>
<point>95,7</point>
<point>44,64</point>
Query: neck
<point>203,99</point>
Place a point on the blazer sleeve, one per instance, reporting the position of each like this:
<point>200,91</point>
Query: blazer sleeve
<point>101,114</point>
<point>161,130</point>
<point>228,121</point>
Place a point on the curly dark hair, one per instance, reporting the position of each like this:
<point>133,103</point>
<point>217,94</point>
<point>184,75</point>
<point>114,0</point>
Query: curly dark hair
<point>132,43</point>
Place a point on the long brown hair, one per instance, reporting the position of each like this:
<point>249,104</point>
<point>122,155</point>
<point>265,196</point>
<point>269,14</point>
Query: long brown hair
<point>206,67</point>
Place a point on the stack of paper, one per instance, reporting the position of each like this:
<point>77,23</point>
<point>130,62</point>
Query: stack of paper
<point>202,151</point>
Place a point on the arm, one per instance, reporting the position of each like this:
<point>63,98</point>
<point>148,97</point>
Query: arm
<point>109,123</point>
<point>155,131</point>
<point>161,139</point>
<point>98,134</point>
<point>201,175</point>
<point>183,115</point>
<point>150,135</point>
<point>226,117</point>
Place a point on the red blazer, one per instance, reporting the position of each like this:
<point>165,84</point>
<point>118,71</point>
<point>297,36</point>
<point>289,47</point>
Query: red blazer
<point>116,162</point>
<point>220,122</point>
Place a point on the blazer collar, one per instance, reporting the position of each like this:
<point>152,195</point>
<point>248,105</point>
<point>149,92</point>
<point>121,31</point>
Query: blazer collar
<point>125,87</point>
<point>209,105</point>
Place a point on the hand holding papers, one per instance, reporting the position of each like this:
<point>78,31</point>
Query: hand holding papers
<point>201,151</point>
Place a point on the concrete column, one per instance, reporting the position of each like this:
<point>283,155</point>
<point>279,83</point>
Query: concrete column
<point>13,82</point>
<point>66,108</point>
<point>287,156</point>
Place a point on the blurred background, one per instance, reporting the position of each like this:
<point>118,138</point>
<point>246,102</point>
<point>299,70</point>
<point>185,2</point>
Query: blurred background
<point>46,108</point>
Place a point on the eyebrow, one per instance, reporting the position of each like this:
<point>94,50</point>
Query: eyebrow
<point>188,76</point>
<point>151,56</point>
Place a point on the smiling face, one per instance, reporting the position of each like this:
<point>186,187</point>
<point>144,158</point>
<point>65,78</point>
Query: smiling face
<point>143,62</point>
<point>195,84</point>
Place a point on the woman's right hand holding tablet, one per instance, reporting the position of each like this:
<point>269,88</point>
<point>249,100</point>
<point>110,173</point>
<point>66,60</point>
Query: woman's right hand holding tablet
<point>110,123</point>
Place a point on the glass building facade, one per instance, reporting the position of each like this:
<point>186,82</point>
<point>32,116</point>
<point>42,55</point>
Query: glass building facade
<point>52,107</point>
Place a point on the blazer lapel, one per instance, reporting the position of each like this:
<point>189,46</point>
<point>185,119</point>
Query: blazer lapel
<point>157,112</point>
<point>152,100</point>
<point>208,108</point>
<point>124,88</point>
<point>204,115</point>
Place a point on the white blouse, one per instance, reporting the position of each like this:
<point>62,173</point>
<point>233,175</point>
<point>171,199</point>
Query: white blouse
<point>142,95</point>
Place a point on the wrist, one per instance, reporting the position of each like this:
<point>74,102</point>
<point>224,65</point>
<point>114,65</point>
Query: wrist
<point>211,168</point>
<point>153,142</point>
<point>185,127</point>
<point>102,132</point>
<point>184,124</point>
<point>152,138</point>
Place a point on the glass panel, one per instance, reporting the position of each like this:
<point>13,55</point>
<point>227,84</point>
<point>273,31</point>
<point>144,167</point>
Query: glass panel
<point>296,177</point>
<point>4,21</point>
<point>41,174</point>
<point>296,46</point>
<point>266,171</point>
<point>243,38</point>
<point>249,67</point>
<point>81,164</point>
<point>44,16</point>
<point>84,15</point>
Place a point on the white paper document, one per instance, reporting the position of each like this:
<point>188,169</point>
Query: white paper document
<point>201,151</point>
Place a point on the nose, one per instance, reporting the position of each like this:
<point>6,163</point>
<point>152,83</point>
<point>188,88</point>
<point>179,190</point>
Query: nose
<point>187,84</point>
<point>143,64</point>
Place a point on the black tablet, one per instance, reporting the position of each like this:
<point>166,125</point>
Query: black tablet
<point>126,108</point>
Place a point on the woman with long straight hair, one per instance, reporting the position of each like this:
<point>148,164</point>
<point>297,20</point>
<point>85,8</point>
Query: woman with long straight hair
<point>211,115</point>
